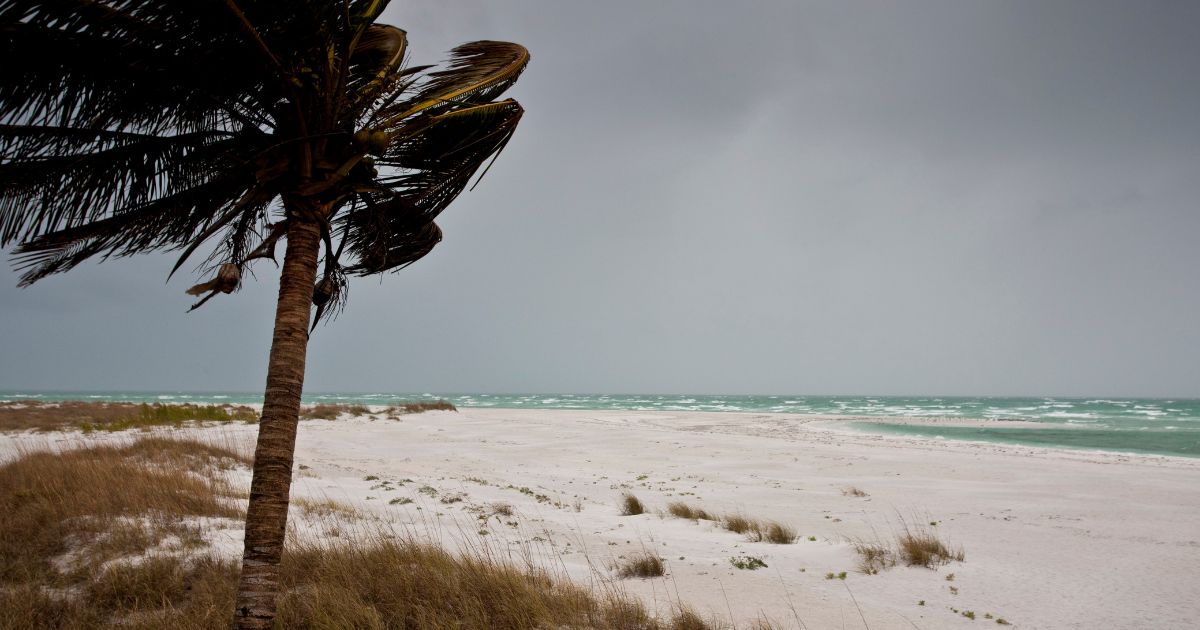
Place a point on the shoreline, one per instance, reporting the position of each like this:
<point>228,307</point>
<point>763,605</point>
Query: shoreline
<point>1166,427</point>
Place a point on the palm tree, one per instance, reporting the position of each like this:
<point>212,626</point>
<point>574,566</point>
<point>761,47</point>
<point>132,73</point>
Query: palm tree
<point>130,126</point>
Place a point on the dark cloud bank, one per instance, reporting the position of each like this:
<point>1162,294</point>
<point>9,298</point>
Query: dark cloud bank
<point>765,197</point>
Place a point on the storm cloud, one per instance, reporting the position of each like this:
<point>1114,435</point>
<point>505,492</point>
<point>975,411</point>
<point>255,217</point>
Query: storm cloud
<point>978,198</point>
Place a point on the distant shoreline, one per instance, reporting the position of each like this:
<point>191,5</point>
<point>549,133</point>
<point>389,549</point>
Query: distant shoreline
<point>1167,426</point>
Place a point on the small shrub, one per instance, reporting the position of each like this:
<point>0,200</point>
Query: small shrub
<point>642,565</point>
<point>853,492</point>
<point>969,614</point>
<point>400,501</point>
<point>748,563</point>
<point>631,505</point>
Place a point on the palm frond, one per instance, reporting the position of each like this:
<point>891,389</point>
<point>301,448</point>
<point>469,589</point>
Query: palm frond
<point>478,73</point>
<point>140,125</point>
<point>167,222</point>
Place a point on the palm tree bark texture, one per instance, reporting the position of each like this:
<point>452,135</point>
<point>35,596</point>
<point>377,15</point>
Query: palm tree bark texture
<point>134,126</point>
<point>266,516</point>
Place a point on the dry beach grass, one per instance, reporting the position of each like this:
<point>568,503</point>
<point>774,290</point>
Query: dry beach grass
<point>106,535</point>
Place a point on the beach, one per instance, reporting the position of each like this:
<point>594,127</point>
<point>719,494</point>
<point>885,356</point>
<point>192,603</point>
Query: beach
<point>1050,538</point>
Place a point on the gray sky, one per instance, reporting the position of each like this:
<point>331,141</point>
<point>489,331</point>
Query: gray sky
<point>762,197</point>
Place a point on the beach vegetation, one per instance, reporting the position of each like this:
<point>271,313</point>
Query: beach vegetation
<point>853,491</point>
<point>912,546</point>
<point>321,412</point>
<point>329,411</point>
<point>37,415</point>
<point>922,547</point>
<point>679,509</point>
<point>874,556</point>
<point>631,505</point>
<point>738,524</point>
<point>778,533</point>
<point>82,546</point>
<point>324,508</point>
<point>760,531</point>
<point>420,407</point>
<point>643,565</point>
<point>748,563</point>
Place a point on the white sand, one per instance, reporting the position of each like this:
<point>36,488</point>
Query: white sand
<point>1053,538</point>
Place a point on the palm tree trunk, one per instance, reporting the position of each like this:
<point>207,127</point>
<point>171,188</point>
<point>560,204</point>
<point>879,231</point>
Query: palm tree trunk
<point>266,517</point>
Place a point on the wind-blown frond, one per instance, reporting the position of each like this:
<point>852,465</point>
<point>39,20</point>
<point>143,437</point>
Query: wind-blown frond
<point>429,168</point>
<point>435,165</point>
<point>137,125</point>
<point>165,223</point>
<point>478,73</point>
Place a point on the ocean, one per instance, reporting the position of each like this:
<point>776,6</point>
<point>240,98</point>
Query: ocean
<point>1135,425</point>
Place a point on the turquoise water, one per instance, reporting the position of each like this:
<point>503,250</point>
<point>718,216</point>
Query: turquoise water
<point>1160,426</point>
